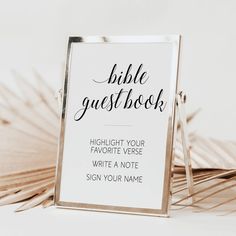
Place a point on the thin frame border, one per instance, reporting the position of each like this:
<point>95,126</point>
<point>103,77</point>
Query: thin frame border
<point>175,40</point>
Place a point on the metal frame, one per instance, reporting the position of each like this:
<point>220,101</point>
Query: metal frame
<point>175,41</point>
<point>181,100</point>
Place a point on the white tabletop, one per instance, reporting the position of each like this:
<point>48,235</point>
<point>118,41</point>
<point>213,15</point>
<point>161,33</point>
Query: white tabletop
<point>58,222</point>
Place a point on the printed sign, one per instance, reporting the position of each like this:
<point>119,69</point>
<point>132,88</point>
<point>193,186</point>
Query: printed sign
<point>117,124</point>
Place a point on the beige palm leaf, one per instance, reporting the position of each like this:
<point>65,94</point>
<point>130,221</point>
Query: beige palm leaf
<point>29,127</point>
<point>29,130</point>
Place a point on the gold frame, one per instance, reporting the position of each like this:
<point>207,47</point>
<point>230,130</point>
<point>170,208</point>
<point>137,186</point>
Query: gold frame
<point>175,40</point>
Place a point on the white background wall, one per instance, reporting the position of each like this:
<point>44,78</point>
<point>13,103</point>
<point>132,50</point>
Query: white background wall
<point>33,34</point>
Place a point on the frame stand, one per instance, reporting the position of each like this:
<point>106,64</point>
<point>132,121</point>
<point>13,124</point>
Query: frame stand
<point>181,100</point>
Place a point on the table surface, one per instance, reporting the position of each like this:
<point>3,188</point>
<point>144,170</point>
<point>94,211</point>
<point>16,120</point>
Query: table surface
<point>54,221</point>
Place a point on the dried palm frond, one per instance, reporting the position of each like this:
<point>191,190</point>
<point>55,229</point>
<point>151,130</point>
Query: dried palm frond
<point>208,153</point>
<point>28,134</point>
<point>29,126</point>
<point>214,189</point>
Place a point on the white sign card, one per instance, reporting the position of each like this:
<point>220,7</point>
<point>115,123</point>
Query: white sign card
<point>117,124</point>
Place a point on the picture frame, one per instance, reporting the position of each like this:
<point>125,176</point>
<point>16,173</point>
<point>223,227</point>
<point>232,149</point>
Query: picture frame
<point>93,69</point>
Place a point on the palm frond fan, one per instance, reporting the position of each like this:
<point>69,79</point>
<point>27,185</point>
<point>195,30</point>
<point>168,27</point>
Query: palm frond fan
<point>28,131</point>
<point>29,127</point>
